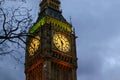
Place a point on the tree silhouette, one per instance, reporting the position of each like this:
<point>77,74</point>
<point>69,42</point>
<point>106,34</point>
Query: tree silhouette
<point>14,25</point>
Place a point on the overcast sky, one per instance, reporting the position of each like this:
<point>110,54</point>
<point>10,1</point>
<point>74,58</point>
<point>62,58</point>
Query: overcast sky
<point>97,24</point>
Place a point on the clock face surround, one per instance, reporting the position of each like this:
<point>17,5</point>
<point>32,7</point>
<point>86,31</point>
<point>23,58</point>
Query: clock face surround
<point>61,42</point>
<point>34,45</point>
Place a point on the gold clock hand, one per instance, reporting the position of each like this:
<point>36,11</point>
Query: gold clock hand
<point>61,42</point>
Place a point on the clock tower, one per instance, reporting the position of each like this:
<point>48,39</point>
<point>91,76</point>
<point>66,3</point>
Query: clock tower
<point>51,48</point>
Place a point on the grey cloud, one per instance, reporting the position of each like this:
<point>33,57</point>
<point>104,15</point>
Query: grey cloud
<point>97,24</point>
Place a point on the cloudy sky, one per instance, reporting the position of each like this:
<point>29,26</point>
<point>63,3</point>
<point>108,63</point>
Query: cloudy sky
<point>97,24</point>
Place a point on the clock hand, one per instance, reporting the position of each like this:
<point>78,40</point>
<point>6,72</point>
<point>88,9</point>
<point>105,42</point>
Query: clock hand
<point>60,39</point>
<point>61,42</point>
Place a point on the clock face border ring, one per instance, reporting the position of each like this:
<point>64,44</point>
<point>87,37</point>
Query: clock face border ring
<point>34,45</point>
<point>61,42</point>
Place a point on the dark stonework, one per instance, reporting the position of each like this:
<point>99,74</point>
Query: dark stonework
<point>50,62</point>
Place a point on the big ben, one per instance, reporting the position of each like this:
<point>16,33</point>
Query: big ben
<point>51,48</point>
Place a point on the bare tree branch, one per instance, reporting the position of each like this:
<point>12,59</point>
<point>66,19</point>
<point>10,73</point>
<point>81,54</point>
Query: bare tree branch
<point>4,53</point>
<point>14,27</point>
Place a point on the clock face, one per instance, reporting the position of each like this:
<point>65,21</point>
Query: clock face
<point>34,45</point>
<point>61,42</point>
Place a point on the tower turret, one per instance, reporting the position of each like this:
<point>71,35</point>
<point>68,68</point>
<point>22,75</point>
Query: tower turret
<point>54,4</point>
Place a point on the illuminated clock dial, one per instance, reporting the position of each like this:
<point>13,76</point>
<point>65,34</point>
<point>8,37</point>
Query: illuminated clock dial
<point>61,42</point>
<point>34,45</point>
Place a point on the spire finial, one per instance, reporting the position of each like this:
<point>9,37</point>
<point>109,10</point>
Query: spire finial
<point>70,20</point>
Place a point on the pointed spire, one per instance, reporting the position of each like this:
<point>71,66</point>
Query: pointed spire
<point>70,20</point>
